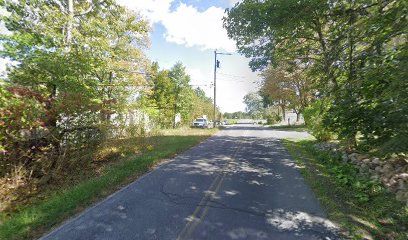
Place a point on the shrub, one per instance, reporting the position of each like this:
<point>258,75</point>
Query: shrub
<point>314,115</point>
<point>273,118</point>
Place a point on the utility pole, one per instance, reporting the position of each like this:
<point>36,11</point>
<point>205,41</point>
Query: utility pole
<point>216,65</point>
<point>215,86</point>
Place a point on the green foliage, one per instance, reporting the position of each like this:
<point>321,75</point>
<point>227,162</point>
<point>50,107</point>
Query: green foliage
<point>20,114</point>
<point>183,93</point>
<point>236,115</point>
<point>78,81</point>
<point>202,105</point>
<point>286,86</point>
<point>273,119</point>
<point>313,116</point>
<point>356,202</point>
<point>254,105</point>
<point>71,82</point>
<point>353,52</point>
<point>60,205</point>
<point>171,94</point>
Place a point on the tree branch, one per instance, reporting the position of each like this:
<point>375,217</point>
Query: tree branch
<point>91,7</point>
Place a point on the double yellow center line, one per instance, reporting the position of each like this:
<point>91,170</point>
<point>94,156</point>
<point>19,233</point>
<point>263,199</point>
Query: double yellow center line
<point>202,208</point>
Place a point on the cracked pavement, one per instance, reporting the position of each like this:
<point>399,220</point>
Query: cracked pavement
<point>239,184</point>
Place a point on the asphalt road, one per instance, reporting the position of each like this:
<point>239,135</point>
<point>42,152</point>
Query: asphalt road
<point>239,184</point>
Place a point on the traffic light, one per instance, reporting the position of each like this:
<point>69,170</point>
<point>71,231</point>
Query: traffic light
<point>218,64</point>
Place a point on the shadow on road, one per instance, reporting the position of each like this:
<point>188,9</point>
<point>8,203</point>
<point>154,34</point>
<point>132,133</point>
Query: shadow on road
<point>259,182</point>
<point>238,184</point>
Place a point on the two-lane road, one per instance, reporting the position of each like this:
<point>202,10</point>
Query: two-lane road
<point>239,184</point>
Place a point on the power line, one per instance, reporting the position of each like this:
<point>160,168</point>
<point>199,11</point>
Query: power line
<point>236,76</point>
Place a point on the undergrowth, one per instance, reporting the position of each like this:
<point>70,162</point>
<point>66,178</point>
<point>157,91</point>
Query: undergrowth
<point>363,207</point>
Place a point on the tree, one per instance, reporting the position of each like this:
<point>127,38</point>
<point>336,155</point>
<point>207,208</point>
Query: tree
<point>162,95</point>
<point>182,91</point>
<point>236,115</point>
<point>172,95</point>
<point>202,105</point>
<point>75,61</point>
<point>254,105</point>
<point>286,86</point>
<point>276,90</point>
<point>342,45</point>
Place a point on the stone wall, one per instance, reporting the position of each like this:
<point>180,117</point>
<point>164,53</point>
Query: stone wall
<point>391,171</point>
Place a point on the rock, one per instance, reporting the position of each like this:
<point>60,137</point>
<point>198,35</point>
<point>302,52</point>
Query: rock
<point>352,157</point>
<point>403,176</point>
<point>392,172</point>
<point>389,174</point>
<point>344,157</point>
<point>360,157</point>
<point>387,168</point>
<point>364,166</point>
<point>384,180</point>
<point>400,196</point>
<point>392,182</point>
<point>376,161</point>
<point>401,185</point>
<point>400,162</point>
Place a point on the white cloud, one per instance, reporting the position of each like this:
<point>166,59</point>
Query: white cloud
<point>233,2</point>
<point>197,76</point>
<point>154,10</point>
<point>186,25</point>
<point>201,80</point>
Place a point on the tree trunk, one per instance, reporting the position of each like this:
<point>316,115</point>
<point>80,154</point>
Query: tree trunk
<point>326,62</point>
<point>68,36</point>
<point>283,113</point>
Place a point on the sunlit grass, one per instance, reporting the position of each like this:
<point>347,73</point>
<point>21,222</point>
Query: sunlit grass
<point>186,130</point>
<point>32,220</point>
<point>293,128</point>
<point>380,216</point>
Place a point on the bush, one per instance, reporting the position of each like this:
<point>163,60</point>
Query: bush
<point>314,115</point>
<point>273,118</point>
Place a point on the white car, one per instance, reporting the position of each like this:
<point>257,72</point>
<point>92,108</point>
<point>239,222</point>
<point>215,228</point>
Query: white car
<point>200,123</point>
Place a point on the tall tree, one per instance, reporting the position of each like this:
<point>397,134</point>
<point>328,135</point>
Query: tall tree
<point>77,59</point>
<point>254,104</point>
<point>182,91</point>
<point>343,44</point>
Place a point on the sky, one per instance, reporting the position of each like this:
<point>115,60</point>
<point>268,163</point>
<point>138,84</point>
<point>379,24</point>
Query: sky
<point>189,31</point>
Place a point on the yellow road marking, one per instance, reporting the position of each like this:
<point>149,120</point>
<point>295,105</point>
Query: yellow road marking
<point>195,218</point>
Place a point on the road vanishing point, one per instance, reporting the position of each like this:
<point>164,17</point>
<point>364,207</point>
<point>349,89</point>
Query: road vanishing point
<point>240,183</point>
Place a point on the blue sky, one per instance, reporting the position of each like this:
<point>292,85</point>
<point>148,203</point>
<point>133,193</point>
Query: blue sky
<point>189,31</point>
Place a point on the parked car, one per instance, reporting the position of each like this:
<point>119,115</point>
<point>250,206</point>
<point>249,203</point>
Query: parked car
<point>200,123</point>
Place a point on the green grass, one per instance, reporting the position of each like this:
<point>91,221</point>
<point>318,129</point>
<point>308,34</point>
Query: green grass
<point>360,206</point>
<point>38,217</point>
<point>293,128</point>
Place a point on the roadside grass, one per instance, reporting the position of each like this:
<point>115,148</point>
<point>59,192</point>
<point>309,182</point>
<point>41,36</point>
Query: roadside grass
<point>231,121</point>
<point>293,128</point>
<point>363,208</point>
<point>55,206</point>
